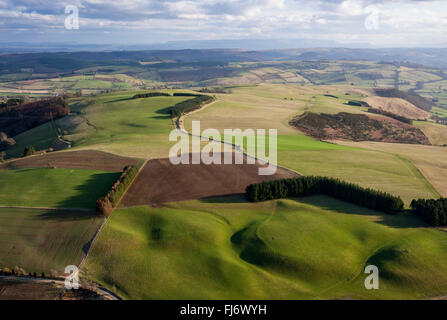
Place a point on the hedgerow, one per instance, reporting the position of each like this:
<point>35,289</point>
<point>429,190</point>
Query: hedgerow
<point>151,94</point>
<point>185,94</point>
<point>105,205</point>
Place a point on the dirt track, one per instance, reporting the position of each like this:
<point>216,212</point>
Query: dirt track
<point>84,159</point>
<point>160,181</point>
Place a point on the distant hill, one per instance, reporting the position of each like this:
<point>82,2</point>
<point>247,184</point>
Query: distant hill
<point>67,62</point>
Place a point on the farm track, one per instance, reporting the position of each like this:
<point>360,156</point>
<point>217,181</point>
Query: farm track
<point>179,126</point>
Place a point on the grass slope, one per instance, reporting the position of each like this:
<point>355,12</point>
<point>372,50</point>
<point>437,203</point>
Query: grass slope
<point>131,127</point>
<point>40,138</point>
<point>54,188</point>
<point>427,161</point>
<point>226,248</point>
<point>44,240</point>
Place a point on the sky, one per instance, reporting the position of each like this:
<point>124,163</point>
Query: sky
<point>378,23</point>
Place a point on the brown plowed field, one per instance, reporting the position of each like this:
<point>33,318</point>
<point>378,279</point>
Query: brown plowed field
<point>160,181</point>
<point>84,159</point>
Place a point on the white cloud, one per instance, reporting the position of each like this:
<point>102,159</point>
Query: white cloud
<point>343,20</point>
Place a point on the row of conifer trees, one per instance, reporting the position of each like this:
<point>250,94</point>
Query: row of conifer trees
<point>433,212</point>
<point>307,186</point>
<point>190,105</point>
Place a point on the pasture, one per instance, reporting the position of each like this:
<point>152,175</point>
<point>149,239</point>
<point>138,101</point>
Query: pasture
<point>130,127</point>
<point>44,240</point>
<point>54,188</point>
<point>226,248</point>
<point>264,106</point>
<point>429,161</point>
<point>84,159</point>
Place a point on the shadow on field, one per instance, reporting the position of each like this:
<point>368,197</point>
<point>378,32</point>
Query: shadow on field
<point>403,220</point>
<point>87,193</point>
<point>64,215</point>
<point>165,111</point>
<point>120,99</point>
<point>161,117</point>
<point>231,198</point>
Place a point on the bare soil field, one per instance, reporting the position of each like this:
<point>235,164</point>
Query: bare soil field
<point>398,106</point>
<point>18,290</point>
<point>15,288</point>
<point>83,159</point>
<point>160,181</point>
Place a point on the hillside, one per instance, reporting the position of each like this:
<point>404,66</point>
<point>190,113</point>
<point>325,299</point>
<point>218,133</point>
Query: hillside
<point>18,119</point>
<point>414,99</point>
<point>227,248</point>
<point>358,127</point>
<point>398,106</point>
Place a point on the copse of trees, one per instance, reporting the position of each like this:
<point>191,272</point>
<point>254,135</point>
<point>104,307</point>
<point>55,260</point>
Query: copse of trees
<point>150,95</point>
<point>106,204</point>
<point>29,151</point>
<point>341,190</point>
<point>433,212</point>
<point>190,105</point>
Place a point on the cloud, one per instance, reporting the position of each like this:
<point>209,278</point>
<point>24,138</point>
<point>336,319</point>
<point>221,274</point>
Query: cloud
<point>163,20</point>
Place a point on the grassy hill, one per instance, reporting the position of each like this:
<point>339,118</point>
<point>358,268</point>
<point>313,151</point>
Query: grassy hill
<point>266,106</point>
<point>226,248</point>
<point>125,126</point>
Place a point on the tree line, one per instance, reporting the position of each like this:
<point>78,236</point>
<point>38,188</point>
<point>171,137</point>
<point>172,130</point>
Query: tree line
<point>391,115</point>
<point>338,189</point>
<point>150,95</point>
<point>189,105</point>
<point>433,212</point>
<point>106,204</point>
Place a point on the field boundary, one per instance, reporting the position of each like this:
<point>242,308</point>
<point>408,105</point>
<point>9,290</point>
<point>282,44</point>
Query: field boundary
<point>96,235</point>
<point>133,180</point>
<point>75,151</point>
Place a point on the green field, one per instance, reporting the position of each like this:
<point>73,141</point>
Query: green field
<point>44,240</point>
<point>253,108</point>
<point>226,248</point>
<point>54,188</point>
<point>112,122</point>
<point>131,127</point>
<point>439,112</point>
